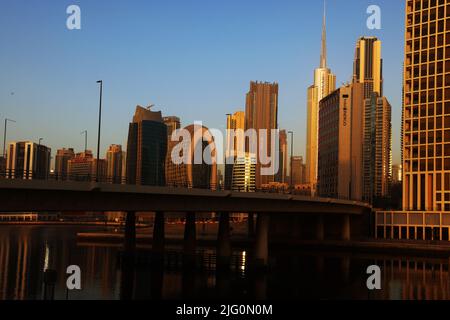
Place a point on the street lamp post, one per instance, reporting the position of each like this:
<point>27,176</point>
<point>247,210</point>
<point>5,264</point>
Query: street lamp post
<point>40,139</point>
<point>292,153</point>
<point>99,128</point>
<point>4,136</point>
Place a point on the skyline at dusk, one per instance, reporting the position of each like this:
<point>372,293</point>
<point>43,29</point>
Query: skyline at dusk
<point>192,60</point>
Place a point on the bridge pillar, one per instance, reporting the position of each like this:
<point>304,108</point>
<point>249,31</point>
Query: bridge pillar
<point>130,233</point>
<point>224,241</point>
<point>320,229</point>
<point>158,233</point>
<point>250,225</point>
<point>346,232</point>
<point>190,235</point>
<point>261,254</point>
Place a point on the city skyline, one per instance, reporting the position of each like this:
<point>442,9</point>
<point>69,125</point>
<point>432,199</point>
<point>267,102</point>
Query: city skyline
<point>119,107</point>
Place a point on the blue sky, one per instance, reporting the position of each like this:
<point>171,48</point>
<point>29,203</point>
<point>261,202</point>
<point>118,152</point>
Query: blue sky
<point>192,58</point>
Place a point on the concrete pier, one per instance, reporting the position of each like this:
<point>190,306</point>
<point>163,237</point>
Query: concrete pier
<point>190,235</point>
<point>261,253</point>
<point>346,232</point>
<point>130,233</point>
<point>224,241</point>
<point>320,229</point>
<point>250,225</point>
<point>158,233</point>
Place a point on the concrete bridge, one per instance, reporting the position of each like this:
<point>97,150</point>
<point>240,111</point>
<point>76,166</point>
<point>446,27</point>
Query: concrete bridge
<point>280,217</point>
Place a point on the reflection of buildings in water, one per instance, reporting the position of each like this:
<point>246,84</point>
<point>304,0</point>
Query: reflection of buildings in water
<point>4,264</point>
<point>415,279</point>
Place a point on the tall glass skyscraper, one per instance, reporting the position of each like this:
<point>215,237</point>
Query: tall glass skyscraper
<point>147,148</point>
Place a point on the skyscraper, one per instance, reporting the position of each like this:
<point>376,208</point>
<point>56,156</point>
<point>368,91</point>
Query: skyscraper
<point>116,164</point>
<point>324,84</point>
<point>244,171</point>
<point>172,123</point>
<point>425,127</point>
<point>377,151</point>
<point>261,112</point>
<point>340,143</point>
<point>426,117</point>
<point>368,66</point>
<point>235,140</point>
<point>28,160</point>
<point>62,163</point>
<point>147,148</point>
<point>283,158</point>
<point>200,174</point>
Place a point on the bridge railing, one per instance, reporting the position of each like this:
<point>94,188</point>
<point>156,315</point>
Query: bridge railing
<point>89,177</point>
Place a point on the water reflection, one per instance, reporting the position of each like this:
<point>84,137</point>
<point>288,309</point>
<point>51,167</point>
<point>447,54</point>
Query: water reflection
<point>27,252</point>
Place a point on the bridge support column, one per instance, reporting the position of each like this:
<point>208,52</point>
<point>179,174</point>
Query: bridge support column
<point>130,233</point>
<point>158,233</point>
<point>128,259</point>
<point>190,234</point>
<point>261,254</point>
<point>224,241</point>
<point>250,225</point>
<point>346,232</point>
<point>320,229</point>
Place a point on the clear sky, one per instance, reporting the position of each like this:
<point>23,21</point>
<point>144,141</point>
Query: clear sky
<point>191,58</point>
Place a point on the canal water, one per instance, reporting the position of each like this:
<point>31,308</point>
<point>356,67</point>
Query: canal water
<point>27,251</point>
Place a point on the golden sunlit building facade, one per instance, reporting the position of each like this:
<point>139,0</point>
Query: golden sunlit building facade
<point>324,84</point>
<point>426,127</point>
<point>261,113</point>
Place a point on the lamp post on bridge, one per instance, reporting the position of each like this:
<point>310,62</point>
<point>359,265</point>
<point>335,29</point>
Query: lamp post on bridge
<point>4,136</point>
<point>99,128</point>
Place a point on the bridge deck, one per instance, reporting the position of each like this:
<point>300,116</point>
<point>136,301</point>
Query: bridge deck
<point>38,195</point>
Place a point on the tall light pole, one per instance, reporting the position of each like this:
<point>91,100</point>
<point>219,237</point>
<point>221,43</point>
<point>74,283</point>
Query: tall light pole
<point>99,127</point>
<point>292,152</point>
<point>40,139</point>
<point>4,136</point>
<point>85,132</point>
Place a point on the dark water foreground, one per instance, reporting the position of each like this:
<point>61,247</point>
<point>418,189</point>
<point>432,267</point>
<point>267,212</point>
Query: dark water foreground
<point>26,251</point>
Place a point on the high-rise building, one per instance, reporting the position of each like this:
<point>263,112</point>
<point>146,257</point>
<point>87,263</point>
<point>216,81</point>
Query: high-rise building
<point>235,141</point>
<point>368,66</point>
<point>83,167</point>
<point>147,148</point>
<point>298,171</point>
<point>62,163</point>
<point>28,160</point>
<point>397,173</point>
<point>324,84</point>
<point>340,143</point>
<point>261,112</point>
<point>192,172</point>
<point>426,117</point>
<point>425,127</point>
<point>116,164</point>
<point>377,152</point>
<point>244,173</point>
<point>283,158</point>
<point>173,123</point>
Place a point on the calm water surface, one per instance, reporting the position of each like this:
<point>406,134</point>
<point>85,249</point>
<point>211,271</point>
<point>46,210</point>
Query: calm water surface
<point>26,251</point>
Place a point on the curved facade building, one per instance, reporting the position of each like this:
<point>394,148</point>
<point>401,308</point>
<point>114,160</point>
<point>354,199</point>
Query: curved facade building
<point>190,174</point>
